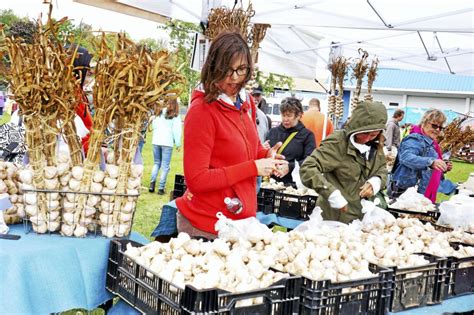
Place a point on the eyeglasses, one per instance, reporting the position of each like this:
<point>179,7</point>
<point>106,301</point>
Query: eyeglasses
<point>435,126</point>
<point>240,71</point>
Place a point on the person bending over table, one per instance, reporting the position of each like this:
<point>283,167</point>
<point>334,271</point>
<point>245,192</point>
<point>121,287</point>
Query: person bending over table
<point>419,160</point>
<point>349,165</point>
<point>222,151</point>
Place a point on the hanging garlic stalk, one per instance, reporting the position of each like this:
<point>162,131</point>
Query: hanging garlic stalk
<point>371,75</point>
<point>225,19</point>
<point>333,66</point>
<point>257,35</point>
<point>359,69</point>
<point>341,74</point>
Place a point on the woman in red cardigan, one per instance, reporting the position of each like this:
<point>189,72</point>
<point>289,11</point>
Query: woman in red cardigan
<point>222,151</point>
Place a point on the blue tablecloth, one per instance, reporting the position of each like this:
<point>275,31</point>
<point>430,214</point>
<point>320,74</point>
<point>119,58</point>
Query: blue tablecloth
<point>460,304</point>
<point>272,218</point>
<point>43,274</point>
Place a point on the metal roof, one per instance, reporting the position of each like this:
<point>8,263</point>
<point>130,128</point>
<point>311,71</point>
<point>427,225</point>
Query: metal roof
<point>416,80</point>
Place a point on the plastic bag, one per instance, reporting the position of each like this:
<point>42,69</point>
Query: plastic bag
<point>295,175</point>
<point>374,214</point>
<point>414,201</point>
<point>249,229</point>
<point>457,212</point>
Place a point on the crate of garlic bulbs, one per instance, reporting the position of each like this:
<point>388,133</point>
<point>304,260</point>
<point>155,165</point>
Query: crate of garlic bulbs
<point>61,196</point>
<point>189,276</point>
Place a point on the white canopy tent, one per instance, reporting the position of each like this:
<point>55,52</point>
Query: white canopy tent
<point>434,36</point>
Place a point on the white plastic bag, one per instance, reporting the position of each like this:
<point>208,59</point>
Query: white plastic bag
<point>374,214</point>
<point>315,220</point>
<point>457,212</point>
<point>414,201</point>
<point>295,175</point>
<point>249,229</point>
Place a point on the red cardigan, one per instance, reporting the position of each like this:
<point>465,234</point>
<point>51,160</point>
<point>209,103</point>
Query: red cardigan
<point>220,146</point>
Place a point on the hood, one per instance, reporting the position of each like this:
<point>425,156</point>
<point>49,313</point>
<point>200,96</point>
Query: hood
<point>367,116</point>
<point>225,102</point>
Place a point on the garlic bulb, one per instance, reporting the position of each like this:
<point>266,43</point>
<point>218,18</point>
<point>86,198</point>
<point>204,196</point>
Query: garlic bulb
<point>108,231</point>
<point>133,183</point>
<point>112,170</point>
<point>50,172</point>
<point>77,172</point>
<point>80,231</point>
<point>64,180</point>
<point>136,170</point>
<point>30,198</point>
<point>96,187</point>
<point>63,168</point>
<point>106,219</point>
<point>67,230</point>
<point>98,176</point>
<point>110,183</point>
<point>74,184</point>
<point>51,183</point>
<point>26,176</point>
<point>63,157</point>
<point>92,200</point>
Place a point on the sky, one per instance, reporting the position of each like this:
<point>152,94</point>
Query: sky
<point>99,19</point>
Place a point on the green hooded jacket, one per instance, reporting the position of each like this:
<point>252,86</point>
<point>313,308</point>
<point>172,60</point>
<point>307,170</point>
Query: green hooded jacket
<point>337,164</point>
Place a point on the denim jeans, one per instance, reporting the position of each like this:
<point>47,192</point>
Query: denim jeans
<point>162,159</point>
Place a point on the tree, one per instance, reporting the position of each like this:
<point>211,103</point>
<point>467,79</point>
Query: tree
<point>181,42</point>
<point>272,81</point>
<point>152,44</point>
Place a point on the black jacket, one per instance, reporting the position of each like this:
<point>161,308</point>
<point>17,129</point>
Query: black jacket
<point>297,149</point>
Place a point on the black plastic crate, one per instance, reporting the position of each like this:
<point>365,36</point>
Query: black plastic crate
<point>266,200</point>
<point>294,206</point>
<point>150,294</point>
<point>419,286</point>
<point>430,216</point>
<point>460,278</point>
<point>356,297</point>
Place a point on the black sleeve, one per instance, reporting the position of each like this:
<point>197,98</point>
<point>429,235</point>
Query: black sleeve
<point>308,146</point>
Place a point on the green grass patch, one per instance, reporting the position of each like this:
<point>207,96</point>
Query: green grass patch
<point>149,205</point>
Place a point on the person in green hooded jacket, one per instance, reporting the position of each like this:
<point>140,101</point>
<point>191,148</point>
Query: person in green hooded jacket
<point>349,165</point>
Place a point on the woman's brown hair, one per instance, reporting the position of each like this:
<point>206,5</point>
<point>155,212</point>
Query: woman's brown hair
<point>225,46</point>
<point>172,109</point>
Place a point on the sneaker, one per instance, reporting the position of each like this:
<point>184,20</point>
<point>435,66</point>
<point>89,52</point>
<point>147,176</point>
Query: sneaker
<point>161,191</point>
<point>152,187</point>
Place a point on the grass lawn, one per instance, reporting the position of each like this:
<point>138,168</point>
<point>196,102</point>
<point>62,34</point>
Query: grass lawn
<point>149,204</point>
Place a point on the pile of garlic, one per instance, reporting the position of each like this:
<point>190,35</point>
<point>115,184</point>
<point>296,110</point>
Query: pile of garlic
<point>9,188</point>
<point>392,244</point>
<point>280,186</point>
<point>413,201</point>
<point>273,184</point>
<point>300,191</point>
<point>239,267</point>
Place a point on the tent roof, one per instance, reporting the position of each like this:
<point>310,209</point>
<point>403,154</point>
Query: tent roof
<point>404,34</point>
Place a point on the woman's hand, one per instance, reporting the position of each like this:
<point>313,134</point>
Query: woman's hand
<point>266,145</point>
<point>343,209</point>
<point>272,153</point>
<point>439,165</point>
<point>366,190</point>
<point>281,170</point>
<point>265,167</point>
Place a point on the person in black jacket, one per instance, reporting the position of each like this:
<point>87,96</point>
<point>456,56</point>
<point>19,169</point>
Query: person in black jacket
<point>298,142</point>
